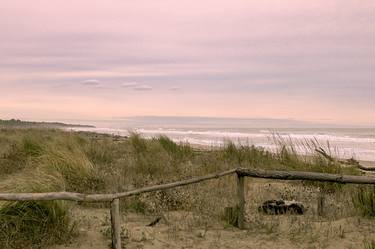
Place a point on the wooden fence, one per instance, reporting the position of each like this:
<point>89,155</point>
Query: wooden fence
<point>241,174</point>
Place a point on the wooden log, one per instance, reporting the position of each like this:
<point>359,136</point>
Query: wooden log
<point>301,175</point>
<point>241,201</point>
<point>116,224</point>
<point>366,168</point>
<point>282,175</point>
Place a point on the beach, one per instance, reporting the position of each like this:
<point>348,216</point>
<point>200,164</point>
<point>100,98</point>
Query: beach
<point>193,216</point>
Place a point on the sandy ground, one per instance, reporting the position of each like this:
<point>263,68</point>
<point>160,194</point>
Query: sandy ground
<point>184,230</point>
<point>94,234</point>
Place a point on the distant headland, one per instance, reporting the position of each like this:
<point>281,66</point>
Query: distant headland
<point>17,123</point>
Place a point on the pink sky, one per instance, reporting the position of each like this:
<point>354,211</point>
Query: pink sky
<point>304,60</point>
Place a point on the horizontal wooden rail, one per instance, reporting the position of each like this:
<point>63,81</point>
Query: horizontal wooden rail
<point>106,197</point>
<point>301,175</point>
<point>282,175</point>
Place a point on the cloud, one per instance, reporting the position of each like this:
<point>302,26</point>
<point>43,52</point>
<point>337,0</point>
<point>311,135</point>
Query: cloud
<point>136,87</point>
<point>91,82</point>
<point>129,84</point>
<point>174,88</point>
<point>142,88</point>
<point>60,85</point>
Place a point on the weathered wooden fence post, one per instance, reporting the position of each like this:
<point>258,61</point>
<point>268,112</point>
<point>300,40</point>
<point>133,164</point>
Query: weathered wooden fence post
<point>116,224</point>
<point>241,200</point>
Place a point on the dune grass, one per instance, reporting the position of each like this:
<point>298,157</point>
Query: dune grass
<point>49,162</point>
<point>370,245</point>
<point>34,224</point>
<point>44,160</point>
<point>364,200</point>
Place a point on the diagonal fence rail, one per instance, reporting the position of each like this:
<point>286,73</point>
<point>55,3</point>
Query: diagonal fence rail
<point>240,172</point>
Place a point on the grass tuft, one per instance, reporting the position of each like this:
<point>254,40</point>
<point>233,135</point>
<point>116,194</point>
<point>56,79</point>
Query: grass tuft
<point>177,151</point>
<point>364,200</point>
<point>370,245</point>
<point>34,224</point>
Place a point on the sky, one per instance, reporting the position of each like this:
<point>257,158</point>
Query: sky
<point>282,59</point>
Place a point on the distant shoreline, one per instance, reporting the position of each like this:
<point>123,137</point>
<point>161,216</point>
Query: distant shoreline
<point>17,123</point>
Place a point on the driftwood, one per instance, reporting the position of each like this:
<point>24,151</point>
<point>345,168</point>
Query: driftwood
<point>346,162</point>
<point>360,166</point>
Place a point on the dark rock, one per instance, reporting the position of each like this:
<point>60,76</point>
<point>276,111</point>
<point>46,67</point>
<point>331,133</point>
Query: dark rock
<point>276,207</point>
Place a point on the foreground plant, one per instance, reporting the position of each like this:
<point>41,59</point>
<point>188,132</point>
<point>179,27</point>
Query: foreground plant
<point>34,224</point>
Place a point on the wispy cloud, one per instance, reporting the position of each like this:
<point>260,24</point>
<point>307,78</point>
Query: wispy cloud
<point>175,88</point>
<point>142,88</point>
<point>91,82</point>
<point>129,84</point>
<point>136,86</point>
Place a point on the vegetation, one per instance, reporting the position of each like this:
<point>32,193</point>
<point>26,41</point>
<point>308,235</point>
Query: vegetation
<point>364,200</point>
<point>45,160</point>
<point>370,245</point>
<point>28,124</point>
<point>33,224</point>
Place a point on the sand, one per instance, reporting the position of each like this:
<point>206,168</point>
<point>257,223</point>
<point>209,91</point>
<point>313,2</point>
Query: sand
<point>182,229</point>
<point>138,235</point>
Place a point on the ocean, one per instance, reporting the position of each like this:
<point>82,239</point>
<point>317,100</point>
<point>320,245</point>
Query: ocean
<point>349,142</point>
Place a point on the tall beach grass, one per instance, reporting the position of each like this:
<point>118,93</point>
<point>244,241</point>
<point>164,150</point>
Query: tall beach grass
<point>45,160</point>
